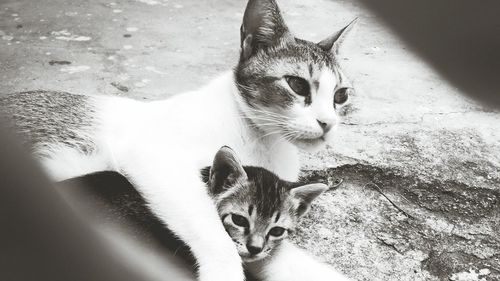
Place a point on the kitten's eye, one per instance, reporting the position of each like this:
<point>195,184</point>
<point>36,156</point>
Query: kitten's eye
<point>240,220</point>
<point>299,85</point>
<point>341,95</point>
<point>276,231</point>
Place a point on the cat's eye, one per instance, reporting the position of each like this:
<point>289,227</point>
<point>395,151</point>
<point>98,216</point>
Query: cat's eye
<point>240,220</point>
<point>299,85</point>
<point>341,95</point>
<point>276,231</point>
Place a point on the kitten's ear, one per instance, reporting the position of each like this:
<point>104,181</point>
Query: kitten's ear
<point>306,194</point>
<point>333,43</point>
<point>263,26</point>
<point>225,171</point>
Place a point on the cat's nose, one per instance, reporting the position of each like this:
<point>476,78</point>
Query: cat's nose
<point>326,126</point>
<point>255,244</point>
<point>253,250</point>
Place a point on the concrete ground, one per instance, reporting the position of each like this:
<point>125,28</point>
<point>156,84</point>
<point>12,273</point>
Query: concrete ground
<point>432,152</point>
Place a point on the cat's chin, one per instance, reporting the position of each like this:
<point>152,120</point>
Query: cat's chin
<point>252,259</point>
<point>310,145</point>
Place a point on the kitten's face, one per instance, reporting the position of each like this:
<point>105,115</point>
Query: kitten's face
<point>291,87</point>
<point>258,213</point>
<point>257,209</point>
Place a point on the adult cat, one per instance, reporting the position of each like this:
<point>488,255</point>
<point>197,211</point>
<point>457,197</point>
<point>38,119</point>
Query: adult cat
<point>282,95</point>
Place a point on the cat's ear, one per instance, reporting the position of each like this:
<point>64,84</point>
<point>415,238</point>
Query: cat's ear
<point>306,194</point>
<point>225,171</point>
<point>333,43</point>
<point>263,26</point>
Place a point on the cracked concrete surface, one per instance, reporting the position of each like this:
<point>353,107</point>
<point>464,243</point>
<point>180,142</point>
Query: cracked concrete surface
<point>433,152</point>
<point>422,229</point>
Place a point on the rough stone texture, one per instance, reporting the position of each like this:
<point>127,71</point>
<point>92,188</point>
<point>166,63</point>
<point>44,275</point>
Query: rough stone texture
<point>407,133</point>
<point>380,224</point>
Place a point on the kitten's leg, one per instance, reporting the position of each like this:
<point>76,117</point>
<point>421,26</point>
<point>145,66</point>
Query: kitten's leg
<point>181,201</point>
<point>290,263</point>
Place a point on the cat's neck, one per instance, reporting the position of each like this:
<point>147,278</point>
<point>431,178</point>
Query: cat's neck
<point>219,103</point>
<point>217,110</point>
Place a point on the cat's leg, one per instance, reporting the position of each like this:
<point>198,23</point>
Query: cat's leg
<point>176,194</point>
<point>290,263</point>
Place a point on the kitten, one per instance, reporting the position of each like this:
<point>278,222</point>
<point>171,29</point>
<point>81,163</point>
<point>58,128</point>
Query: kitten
<point>258,211</point>
<point>257,208</point>
<point>282,95</point>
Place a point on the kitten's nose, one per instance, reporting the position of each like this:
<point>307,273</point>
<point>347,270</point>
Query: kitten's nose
<point>324,125</point>
<point>252,249</point>
<point>255,244</point>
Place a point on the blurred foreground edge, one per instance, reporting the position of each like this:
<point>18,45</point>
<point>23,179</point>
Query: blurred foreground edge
<point>460,38</point>
<point>41,238</point>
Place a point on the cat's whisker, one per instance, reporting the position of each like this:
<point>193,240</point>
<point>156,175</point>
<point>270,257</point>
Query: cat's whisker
<point>293,135</point>
<point>272,114</point>
<point>269,124</point>
<point>276,132</point>
<point>266,119</point>
<point>256,116</point>
<point>289,136</point>
<point>262,118</point>
<point>272,124</point>
<point>285,136</point>
<point>267,113</point>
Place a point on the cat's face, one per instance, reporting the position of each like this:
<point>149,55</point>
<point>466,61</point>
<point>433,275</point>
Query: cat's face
<point>257,224</point>
<point>291,88</point>
<point>257,209</point>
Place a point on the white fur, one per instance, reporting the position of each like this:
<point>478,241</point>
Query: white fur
<point>64,162</point>
<point>161,147</point>
<point>290,263</point>
<point>323,100</point>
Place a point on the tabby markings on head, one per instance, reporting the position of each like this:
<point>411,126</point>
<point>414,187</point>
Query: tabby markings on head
<point>257,208</point>
<point>291,87</point>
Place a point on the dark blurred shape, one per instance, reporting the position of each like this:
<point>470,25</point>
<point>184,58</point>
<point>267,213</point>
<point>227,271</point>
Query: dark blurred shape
<point>108,198</point>
<point>460,38</point>
<point>42,239</point>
